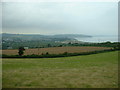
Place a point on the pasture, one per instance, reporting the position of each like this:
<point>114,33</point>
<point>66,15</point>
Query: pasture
<point>55,50</point>
<point>91,71</point>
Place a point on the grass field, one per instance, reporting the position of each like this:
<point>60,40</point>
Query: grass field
<point>91,71</point>
<point>55,50</point>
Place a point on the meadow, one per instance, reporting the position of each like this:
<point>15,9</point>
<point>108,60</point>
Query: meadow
<point>89,71</point>
<point>56,50</point>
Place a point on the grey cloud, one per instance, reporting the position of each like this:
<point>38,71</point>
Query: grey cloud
<point>86,18</point>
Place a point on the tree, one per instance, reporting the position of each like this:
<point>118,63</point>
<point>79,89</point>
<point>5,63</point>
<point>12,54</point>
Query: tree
<point>65,53</point>
<point>60,45</point>
<point>47,53</point>
<point>21,51</point>
<point>49,45</point>
<point>69,43</point>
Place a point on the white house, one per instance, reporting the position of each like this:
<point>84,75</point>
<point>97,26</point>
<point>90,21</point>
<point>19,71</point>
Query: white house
<point>25,47</point>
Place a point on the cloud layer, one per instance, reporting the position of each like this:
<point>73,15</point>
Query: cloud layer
<point>63,17</point>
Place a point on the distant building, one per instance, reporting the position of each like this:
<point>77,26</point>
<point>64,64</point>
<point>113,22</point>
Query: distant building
<point>25,47</point>
<point>9,47</point>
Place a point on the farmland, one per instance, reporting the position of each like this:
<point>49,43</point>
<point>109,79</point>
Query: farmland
<point>91,71</point>
<point>55,50</point>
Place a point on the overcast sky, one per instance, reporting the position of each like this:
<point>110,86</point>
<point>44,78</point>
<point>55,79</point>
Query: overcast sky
<point>90,18</point>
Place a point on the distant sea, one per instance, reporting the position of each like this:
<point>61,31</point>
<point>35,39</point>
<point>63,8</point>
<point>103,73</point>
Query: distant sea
<point>100,38</point>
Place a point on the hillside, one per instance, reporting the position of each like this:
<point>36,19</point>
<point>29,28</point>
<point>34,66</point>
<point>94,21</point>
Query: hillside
<point>43,37</point>
<point>37,40</point>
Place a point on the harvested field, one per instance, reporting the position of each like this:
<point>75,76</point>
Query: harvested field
<point>55,50</point>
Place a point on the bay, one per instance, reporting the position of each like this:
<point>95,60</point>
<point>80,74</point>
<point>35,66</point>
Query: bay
<point>99,38</point>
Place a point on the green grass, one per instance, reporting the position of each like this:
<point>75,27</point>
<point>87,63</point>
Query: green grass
<point>91,71</point>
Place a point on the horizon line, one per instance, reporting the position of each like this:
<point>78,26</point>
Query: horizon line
<point>57,34</point>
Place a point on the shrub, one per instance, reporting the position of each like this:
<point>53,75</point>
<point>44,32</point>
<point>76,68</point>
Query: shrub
<point>21,51</point>
<point>42,54</point>
<point>65,53</point>
<point>47,53</point>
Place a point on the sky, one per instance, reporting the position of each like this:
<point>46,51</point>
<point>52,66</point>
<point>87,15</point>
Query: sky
<point>89,18</point>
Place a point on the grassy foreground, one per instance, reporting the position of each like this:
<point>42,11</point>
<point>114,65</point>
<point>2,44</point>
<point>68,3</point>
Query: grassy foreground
<point>91,71</point>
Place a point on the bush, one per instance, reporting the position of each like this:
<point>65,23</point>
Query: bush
<point>47,53</point>
<point>21,51</point>
<point>42,54</point>
<point>65,53</point>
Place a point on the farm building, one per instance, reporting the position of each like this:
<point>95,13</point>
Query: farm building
<point>9,47</point>
<point>26,48</point>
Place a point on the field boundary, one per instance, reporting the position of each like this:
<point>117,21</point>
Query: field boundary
<point>65,54</point>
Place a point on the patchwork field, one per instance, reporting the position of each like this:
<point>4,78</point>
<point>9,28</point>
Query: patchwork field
<point>55,50</point>
<point>91,71</point>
